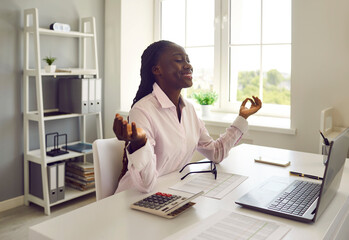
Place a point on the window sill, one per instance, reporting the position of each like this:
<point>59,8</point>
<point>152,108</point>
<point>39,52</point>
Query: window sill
<point>256,123</point>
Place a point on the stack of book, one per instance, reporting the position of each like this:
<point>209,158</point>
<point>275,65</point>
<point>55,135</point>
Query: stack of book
<point>80,147</point>
<point>80,175</point>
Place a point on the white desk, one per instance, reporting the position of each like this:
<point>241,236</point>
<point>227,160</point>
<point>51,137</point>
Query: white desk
<point>112,218</point>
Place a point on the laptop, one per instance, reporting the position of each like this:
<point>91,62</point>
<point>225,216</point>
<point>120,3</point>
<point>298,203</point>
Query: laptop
<point>301,200</point>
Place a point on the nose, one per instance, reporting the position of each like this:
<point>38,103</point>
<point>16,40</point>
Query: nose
<point>188,66</point>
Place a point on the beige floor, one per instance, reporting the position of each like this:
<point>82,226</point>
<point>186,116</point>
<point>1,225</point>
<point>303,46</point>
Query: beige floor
<point>14,223</point>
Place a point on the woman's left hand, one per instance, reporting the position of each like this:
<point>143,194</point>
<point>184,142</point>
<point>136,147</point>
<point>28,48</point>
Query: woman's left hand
<point>256,104</point>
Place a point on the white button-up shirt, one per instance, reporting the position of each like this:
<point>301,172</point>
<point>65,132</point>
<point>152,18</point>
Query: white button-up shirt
<point>171,143</point>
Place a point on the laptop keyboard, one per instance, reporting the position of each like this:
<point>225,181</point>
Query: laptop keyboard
<point>297,199</point>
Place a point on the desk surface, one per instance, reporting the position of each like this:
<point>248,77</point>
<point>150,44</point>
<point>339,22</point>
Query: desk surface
<point>112,218</point>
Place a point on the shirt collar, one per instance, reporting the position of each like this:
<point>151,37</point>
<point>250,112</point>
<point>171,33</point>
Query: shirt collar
<point>163,100</point>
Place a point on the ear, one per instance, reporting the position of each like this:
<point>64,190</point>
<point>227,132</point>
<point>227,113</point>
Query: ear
<point>156,70</point>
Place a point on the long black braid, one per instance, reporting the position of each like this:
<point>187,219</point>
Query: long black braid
<point>150,57</point>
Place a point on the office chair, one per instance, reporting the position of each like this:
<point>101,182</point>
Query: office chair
<point>107,160</point>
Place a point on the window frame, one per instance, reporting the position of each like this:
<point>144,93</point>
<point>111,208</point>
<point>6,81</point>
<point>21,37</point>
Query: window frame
<point>221,68</point>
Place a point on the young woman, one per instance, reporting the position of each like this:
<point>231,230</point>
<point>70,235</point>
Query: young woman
<point>168,131</point>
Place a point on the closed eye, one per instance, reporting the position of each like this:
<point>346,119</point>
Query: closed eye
<point>182,60</point>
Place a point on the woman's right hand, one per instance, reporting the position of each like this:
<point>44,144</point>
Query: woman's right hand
<point>129,132</point>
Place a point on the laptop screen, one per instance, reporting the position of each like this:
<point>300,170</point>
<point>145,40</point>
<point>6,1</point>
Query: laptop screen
<point>334,170</point>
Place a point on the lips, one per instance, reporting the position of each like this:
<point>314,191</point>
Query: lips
<point>187,75</point>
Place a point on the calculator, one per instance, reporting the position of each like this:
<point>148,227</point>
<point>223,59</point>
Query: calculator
<point>164,204</point>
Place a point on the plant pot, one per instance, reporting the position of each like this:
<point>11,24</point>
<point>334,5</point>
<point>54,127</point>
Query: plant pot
<point>50,68</point>
<point>205,110</point>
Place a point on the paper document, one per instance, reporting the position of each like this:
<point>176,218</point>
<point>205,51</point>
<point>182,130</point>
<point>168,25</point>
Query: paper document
<point>226,225</point>
<point>214,188</point>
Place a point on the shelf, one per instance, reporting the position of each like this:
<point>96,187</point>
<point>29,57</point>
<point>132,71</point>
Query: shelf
<point>71,193</point>
<point>35,116</point>
<point>50,32</point>
<point>35,156</point>
<point>68,72</point>
<point>33,35</point>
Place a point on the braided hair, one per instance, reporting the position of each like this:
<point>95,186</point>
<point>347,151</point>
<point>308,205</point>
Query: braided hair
<point>150,57</point>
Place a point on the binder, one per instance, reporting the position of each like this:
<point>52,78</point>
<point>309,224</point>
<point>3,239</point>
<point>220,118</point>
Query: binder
<point>52,182</point>
<point>91,95</point>
<point>84,96</point>
<point>60,180</point>
<point>73,95</point>
<point>35,182</point>
<point>98,94</point>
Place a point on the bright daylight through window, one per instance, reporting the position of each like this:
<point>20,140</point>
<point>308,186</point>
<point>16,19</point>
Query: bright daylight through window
<point>239,48</point>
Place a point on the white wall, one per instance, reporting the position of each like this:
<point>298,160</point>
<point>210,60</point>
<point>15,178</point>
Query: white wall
<point>320,59</point>
<point>129,27</point>
<point>112,47</point>
<point>320,55</point>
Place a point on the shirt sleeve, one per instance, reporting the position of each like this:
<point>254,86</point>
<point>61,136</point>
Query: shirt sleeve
<point>217,150</point>
<point>142,163</point>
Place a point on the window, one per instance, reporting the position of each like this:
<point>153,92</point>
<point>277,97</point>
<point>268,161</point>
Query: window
<point>238,48</point>
<point>183,24</point>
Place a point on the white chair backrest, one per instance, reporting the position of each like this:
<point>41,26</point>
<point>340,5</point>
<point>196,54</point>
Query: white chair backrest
<point>107,160</point>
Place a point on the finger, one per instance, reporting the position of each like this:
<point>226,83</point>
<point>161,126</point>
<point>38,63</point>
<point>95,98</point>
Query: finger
<point>116,125</point>
<point>124,129</point>
<point>244,102</point>
<point>134,130</point>
<point>119,117</point>
<point>119,120</point>
<point>251,101</point>
<point>258,102</point>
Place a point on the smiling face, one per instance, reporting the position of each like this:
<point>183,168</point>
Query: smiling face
<point>173,70</point>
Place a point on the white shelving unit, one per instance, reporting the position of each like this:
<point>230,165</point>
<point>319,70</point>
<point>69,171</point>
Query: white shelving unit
<point>31,29</point>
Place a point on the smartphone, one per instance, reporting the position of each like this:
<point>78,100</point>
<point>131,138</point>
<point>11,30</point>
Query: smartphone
<point>277,162</point>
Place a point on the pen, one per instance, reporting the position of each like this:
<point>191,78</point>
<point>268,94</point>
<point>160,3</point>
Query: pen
<point>305,175</point>
<point>325,139</point>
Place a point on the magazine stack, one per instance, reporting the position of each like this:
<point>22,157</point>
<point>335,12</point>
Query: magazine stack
<point>80,175</point>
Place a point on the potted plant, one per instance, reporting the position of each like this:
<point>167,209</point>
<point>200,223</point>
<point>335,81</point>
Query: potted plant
<point>205,98</point>
<point>50,68</point>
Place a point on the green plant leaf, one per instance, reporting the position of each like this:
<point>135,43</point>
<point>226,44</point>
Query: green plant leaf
<point>205,97</point>
<point>49,60</point>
